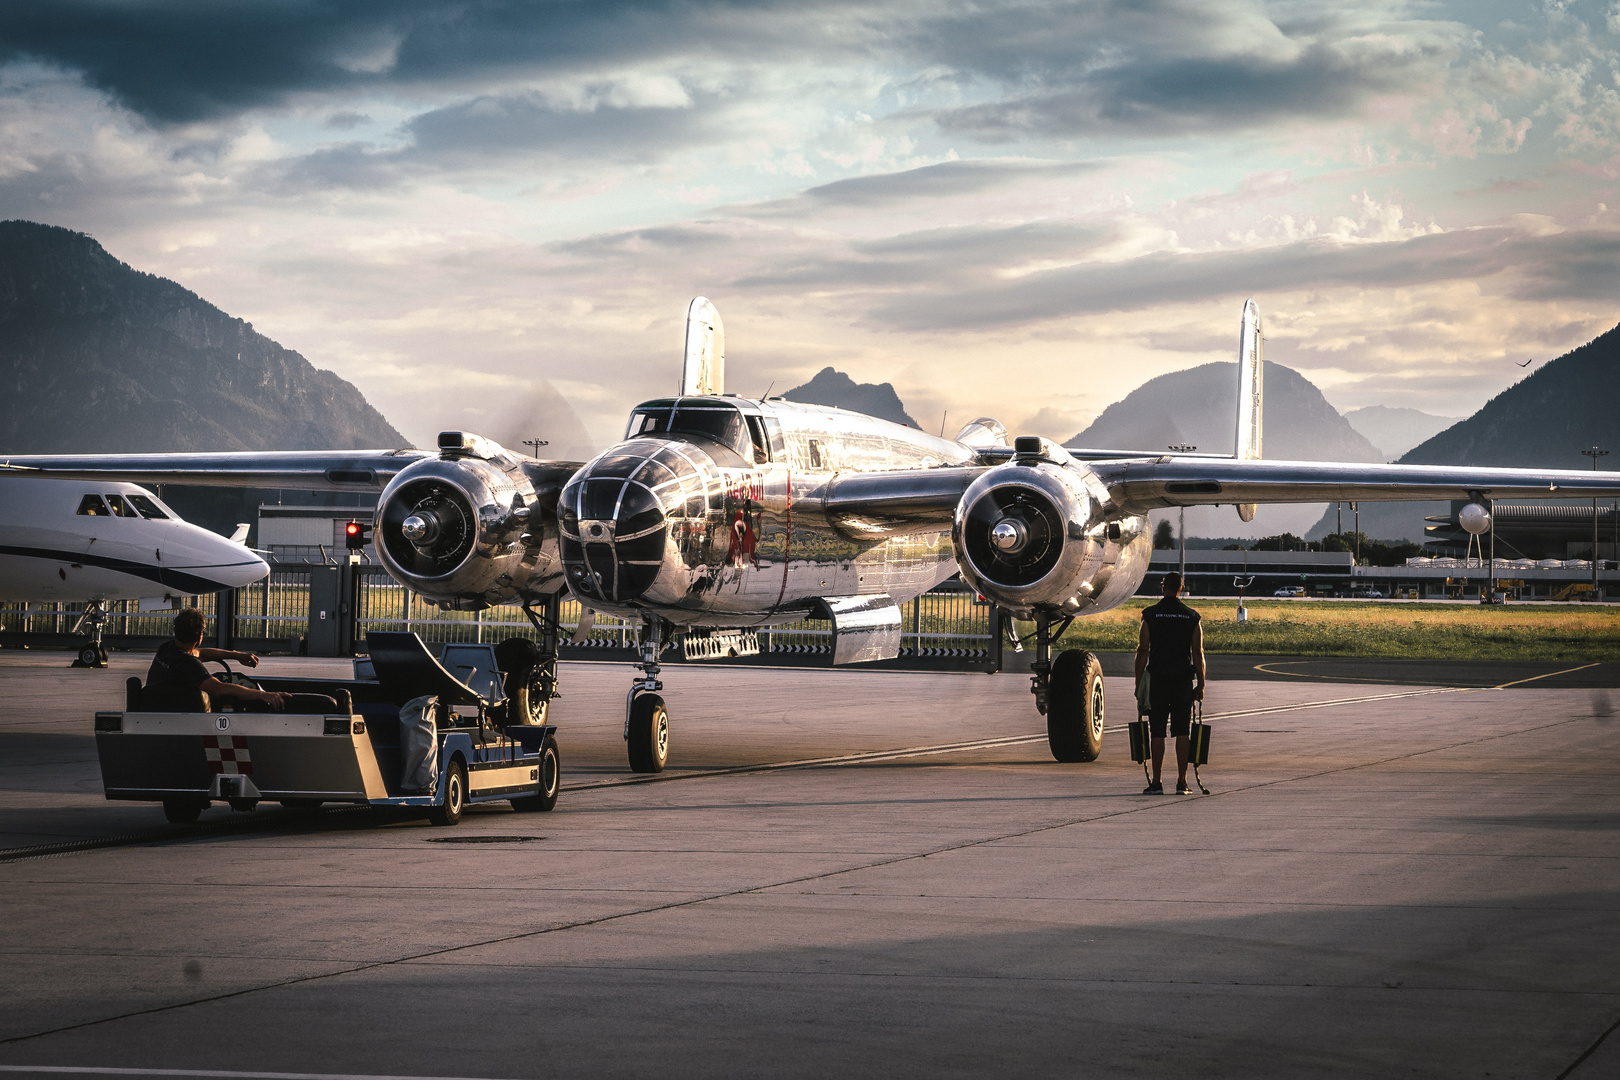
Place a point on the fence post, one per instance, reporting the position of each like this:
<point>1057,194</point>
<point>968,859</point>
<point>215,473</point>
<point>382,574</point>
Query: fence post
<point>224,618</point>
<point>916,624</point>
<point>997,639</point>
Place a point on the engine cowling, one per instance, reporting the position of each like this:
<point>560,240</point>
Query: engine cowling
<point>1038,535</point>
<point>457,528</point>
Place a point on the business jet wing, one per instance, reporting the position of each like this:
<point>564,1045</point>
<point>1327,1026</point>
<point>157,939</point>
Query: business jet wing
<point>307,470</point>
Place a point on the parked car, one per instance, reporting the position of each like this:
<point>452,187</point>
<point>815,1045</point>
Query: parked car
<point>1366,593</point>
<point>1290,590</point>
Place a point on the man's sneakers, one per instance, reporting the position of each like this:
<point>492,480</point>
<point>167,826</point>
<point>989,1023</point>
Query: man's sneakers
<point>1182,788</point>
<point>1154,788</point>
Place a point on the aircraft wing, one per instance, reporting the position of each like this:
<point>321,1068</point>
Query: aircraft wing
<point>876,505</point>
<point>308,470</point>
<point>1142,485</point>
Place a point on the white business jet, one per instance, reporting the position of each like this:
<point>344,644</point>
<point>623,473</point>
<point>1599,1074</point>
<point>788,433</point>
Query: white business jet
<point>93,542</point>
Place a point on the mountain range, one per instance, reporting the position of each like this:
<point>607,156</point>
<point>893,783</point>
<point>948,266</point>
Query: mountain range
<point>833,388</point>
<point>1395,431</point>
<point>1198,407</point>
<point>1542,421</point>
<point>99,357</point>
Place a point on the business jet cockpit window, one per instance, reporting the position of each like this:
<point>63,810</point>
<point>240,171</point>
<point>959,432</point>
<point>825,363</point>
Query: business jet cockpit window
<point>148,507</point>
<point>92,506</point>
<point>711,419</point>
<point>120,508</point>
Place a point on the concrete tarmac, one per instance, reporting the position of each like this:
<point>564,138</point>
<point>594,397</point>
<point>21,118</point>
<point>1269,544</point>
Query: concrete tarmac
<point>1414,880</point>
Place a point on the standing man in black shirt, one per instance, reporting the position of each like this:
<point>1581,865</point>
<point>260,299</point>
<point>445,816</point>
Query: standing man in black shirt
<point>178,665</point>
<point>1171,650</point>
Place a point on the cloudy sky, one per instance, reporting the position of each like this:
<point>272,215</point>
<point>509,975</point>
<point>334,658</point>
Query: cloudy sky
<point>1021,209</point>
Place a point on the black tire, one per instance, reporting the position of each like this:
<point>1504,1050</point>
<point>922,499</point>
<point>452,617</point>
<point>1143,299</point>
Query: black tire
<point>550,781</point>
<point>453,785</point>
<point>1074,707</point>
<point>525,707</point>
<point>90,656</point>
<point>183,811</point>
<point>649,734</point>
<point>521,664</point>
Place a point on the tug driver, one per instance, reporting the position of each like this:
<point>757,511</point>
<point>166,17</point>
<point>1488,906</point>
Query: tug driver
<point>1171,651</point>
<point>178,665</point>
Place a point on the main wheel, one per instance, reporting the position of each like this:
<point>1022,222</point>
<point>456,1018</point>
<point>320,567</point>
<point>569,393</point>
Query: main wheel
<point>649,734</point>
<point>550,768</point>
<point>183,811</point>
<point>525,706</point>
<point>1074,707</point>
<point>450,808</point>
<point>90,656</point>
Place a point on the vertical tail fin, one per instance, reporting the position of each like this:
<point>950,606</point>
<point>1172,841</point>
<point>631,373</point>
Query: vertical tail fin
<point>1251,372</point>
<point>704,371</point>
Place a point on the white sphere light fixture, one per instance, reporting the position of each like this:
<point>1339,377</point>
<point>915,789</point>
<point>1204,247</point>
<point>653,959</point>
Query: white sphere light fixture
<point>1474,518</point>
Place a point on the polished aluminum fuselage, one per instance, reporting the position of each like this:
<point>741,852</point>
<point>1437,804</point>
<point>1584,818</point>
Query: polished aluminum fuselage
<point>750,543</point>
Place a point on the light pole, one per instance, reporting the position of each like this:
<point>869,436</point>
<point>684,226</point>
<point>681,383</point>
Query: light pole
<point>1183,448</point>
<point>1594,454</point>
<point>537,444</point>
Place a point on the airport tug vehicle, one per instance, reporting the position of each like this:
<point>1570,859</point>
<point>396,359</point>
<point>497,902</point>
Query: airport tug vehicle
<point>411,730</point>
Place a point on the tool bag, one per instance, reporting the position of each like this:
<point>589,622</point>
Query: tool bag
<point>1198,744</point>
<point>1140,750</point>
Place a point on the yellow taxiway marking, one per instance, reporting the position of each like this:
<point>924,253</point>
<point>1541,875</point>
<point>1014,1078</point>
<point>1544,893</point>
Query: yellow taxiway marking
<point>1270,670</point>
<point>1549,675</point>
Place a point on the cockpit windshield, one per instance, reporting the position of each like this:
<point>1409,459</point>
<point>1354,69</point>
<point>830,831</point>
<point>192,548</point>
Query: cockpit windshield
<point>693,416</point>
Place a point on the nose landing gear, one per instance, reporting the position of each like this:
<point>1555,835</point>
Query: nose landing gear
<point>646,720</point>
<point>92,654</point>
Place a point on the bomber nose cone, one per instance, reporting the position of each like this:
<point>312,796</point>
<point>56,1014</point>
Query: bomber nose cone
<point>614,535</point>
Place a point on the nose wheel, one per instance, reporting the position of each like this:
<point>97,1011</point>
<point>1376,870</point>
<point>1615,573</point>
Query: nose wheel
<point>646,719</point>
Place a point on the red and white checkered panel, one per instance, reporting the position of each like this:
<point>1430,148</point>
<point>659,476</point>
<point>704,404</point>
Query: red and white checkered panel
<point>228,754</point>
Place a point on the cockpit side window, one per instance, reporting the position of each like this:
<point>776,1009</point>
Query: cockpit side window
<point>756,435</point>
<point>148,507</point>
<point>120,508</point>
<point>92,506</point>
<point>773,436</point>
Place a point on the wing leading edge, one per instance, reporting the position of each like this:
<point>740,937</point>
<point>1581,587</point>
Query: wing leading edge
<point>1139,485</point>
<point>308,470</point>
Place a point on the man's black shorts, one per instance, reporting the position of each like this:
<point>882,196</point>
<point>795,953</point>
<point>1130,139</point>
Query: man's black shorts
<point>1170,699</point>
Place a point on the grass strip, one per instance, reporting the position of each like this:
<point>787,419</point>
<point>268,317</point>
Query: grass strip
<point>1409,630</point>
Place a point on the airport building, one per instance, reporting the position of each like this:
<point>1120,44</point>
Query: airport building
<point>310,534</point>
<point>1334,574</point>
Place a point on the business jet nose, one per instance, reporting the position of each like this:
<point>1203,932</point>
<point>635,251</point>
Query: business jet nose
<point>249,569</point>
<point>210,557</point>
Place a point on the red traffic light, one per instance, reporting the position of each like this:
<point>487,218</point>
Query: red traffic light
<point>354,528</point>
<point>354,535</point>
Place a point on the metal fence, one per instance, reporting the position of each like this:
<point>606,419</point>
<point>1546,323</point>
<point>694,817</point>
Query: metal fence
<point>274,615</point>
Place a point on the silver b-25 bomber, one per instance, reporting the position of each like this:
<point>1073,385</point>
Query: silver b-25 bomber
<point>719,515</point>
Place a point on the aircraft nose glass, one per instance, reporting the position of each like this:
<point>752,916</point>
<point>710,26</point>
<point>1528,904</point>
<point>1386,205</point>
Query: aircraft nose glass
<point>613,536</point>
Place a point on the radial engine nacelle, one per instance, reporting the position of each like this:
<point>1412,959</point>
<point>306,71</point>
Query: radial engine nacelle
<point>1040,534</point>
<point>458,528</point>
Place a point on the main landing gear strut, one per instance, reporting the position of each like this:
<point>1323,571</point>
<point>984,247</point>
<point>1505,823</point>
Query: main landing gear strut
<point>646,720</point>
<point>1068,692</point>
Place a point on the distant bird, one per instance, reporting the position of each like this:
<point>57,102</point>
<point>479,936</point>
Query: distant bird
<point>1527,363</point>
